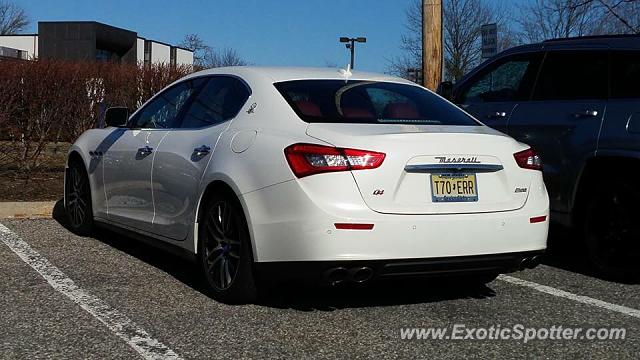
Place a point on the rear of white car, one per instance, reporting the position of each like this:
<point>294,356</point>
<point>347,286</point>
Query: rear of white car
<point>395,181</point>
<point>311,173</point>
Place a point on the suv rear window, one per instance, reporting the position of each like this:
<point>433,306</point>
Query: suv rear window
<point>369,102</point>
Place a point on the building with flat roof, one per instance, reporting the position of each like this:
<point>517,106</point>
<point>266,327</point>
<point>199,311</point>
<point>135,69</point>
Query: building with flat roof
<point>91,41</point>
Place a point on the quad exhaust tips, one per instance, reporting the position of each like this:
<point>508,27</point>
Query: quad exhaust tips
<point>341,275</point>
<point>362,274</point>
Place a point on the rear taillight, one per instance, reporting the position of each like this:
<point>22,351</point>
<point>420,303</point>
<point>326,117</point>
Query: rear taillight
<point>309,159</point>
<point>528,159</point>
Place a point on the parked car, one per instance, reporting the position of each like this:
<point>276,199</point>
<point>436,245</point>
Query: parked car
<point>269,173</point>
<point>577,102</point>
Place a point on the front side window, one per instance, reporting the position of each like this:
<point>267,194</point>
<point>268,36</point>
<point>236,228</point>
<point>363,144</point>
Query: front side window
<point>370,102</point>
<point>220,100</point>
<point>164,110</point>
<point>510,80</point>
<point>571,75</point>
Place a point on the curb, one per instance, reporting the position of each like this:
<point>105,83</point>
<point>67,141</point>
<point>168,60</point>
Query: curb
<point>27,210</point>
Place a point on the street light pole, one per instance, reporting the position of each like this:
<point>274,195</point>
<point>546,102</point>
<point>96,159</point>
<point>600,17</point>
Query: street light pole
<point>351,45</point>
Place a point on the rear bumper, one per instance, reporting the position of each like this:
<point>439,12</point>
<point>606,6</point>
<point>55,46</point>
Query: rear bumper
<point>323,271</point>
<point>289,224</point>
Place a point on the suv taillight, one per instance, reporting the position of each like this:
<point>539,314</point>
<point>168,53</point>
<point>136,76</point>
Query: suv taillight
<point>309,159</point>
<point>528,159</point>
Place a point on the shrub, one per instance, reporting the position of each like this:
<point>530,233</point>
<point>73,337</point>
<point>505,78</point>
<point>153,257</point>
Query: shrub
<point>48,101</point>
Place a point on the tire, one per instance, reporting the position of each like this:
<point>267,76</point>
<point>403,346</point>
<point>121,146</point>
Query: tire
<point>225,253</point>
<point>612,230</point>
<point>77,200</point>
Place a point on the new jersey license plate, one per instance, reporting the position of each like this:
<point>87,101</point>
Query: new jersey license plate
<point>454,188</point>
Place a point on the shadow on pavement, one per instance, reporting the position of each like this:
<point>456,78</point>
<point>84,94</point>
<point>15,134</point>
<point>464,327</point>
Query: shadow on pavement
<point>566,251</point>
<point>297,296</point>
<point>179,268</point>
<point>419,291</point>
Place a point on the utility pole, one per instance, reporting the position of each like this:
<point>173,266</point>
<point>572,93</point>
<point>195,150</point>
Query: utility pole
<point>351,45</point>
<point>432,48</point>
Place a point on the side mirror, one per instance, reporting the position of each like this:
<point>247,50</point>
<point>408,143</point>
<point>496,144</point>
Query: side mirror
<point>116,116</point>
<point>445,89</point>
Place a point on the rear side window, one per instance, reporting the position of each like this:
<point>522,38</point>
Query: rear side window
<point>370,102</point>
<point>625,74</point>
<point>220,100</point>
<point>509,80</point>
<point>571,75</point>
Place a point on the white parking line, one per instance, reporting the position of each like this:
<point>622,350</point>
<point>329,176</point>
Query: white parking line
<point>117,322</point>
<point>567,295</point>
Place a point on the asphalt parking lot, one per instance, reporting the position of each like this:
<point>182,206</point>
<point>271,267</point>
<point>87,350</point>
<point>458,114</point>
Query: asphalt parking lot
<point>162,297</point>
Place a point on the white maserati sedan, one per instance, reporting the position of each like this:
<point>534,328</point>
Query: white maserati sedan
<point>266,174</point>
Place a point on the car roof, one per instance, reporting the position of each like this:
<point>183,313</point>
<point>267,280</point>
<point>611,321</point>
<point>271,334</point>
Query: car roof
<point>631,41</point>
<point>279,74</point>
<point>613,41</point>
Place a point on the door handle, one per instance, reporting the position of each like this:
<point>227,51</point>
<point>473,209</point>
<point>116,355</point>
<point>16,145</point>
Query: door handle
<point>202,150</point>
<point>586,113</point>
<point>144,151</point>
<point>497,115</point>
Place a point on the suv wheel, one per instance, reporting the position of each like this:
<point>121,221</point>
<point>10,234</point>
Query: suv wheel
<point>225,251</point>
<point>612,229</point>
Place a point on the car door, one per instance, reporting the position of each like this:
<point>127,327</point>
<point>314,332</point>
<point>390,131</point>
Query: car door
<point>186,152</point>
<point>563,118</point>
<point>128,161</point>
<point>492,94</point>
<point>621,127</point>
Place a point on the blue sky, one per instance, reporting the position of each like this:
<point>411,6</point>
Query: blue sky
<point>264,32</point>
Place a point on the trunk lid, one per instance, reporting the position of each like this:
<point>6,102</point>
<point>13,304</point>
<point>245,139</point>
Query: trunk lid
<point>415,153</point>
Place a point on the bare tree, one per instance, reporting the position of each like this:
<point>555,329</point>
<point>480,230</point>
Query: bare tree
<point>410,43</point>
<point>13,18</point>
<point>548,19</point>
<point>205,57</point>
<point>200,50</point>
<point>462,22</point>
<point>225,57</point>
<point>616,16</point>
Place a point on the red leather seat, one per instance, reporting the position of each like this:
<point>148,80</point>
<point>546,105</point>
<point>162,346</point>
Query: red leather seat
<point>400,111</point>
<point>308,108</point>
<point>357,113</point>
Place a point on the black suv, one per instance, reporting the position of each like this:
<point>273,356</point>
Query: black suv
<point>576,101</point>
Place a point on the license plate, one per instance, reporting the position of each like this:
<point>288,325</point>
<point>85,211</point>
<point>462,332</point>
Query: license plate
<point>454,188</point>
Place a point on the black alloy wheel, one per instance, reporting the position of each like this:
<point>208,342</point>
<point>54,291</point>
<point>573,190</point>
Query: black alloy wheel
<point>78,199</point>
<point>225,251</point>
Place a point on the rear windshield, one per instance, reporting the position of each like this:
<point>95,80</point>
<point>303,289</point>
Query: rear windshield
<point>369,102</point>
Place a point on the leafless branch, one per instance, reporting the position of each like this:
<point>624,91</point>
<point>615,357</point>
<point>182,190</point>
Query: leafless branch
<point>13,18</point>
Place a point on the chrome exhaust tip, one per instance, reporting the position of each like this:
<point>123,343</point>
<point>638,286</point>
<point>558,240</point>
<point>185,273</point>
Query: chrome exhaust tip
<point>335,276</point>
<point>534,261</point>
<point>361,274</point>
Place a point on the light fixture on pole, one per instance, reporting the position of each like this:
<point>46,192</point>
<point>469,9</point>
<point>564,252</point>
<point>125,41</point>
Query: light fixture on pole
<point>351,45</point>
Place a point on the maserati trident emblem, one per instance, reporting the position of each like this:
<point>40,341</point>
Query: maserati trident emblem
<point>458,160</point>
